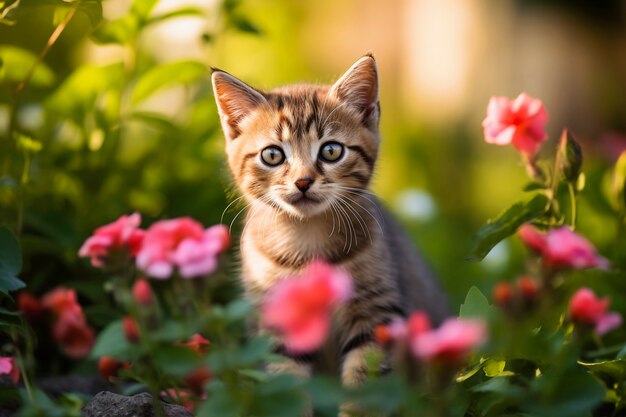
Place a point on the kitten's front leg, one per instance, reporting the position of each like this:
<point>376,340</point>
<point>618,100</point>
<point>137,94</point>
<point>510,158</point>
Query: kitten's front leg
<point>354,369</point>
<point>300,366</point>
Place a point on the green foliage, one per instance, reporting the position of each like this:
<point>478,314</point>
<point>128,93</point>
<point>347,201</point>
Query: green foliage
<point>16,64</point>
<point>476,305</point>
<point>505,225</point>
<point>10,262</point>
<point>162,76</point>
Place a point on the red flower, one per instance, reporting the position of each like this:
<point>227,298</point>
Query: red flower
<point>8,367</point>
<point>182,243</point>
<point>131,330</point>
<point>73,334</point>
<point>198,344</point>
<point>392,332</point>
<point>142,293</point>
<point>109,367</point>
<point>588,310</point>
<point>451,343</point>
<point>528,287</point>
<point>121,235</point>
<point>196,379</point>
<point>502,294</point>
<point>562,248</point>
<point>300,308</point>
<point>62,300</point>
<point>518,122</point>
<point>31,307</point>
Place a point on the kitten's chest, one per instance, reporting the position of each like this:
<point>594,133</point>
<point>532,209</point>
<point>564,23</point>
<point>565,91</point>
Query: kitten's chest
<point>276,249</point>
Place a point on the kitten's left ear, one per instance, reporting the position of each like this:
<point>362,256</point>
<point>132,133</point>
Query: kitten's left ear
<point>358,88</point>
<point>235,100</point>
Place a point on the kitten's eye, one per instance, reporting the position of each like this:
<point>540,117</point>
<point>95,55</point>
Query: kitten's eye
<point>272,156</point>
<point>331,151</point>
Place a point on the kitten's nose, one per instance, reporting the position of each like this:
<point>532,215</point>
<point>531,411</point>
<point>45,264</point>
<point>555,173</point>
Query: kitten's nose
<point>303,184</point>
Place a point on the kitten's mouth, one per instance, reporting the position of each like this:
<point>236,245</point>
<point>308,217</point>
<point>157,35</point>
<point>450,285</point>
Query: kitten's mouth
<point>302,201</point>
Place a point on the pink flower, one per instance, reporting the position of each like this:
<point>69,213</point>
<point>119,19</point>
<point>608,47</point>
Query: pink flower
<point>300,308</point>
<point>588,310</point>
<point>184,244</point>
<point>562,248</point>
<point>532,237</point>
<point>8,367</point>
<point>121,236</point>
<point>451,343</point>
<point>519,122</point>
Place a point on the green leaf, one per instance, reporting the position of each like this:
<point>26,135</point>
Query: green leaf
<point>220,402</point>
<point>384,395</point>
<point>242,24</point>
<point>10,262</point>
<point>154,120</point>
<point>611,372</point>
<point>494,231</point>
<point>476,305</point>
<point>93,10</point>
<point>495,368</point>
<point>176,360</point>
<point>16,64</point>
<point>76,97</point>
<point>279,396</point>
<point>60,13</point>
<point>142,8</point>
<point>618,188</point>
<point>569,392</point>
<point>121,31</point>
<point>184,11</point>
<point>167,75</point>
<point>326,394</point>
<point>112,342</point>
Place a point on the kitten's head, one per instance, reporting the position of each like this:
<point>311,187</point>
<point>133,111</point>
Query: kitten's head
<point>301,148</point>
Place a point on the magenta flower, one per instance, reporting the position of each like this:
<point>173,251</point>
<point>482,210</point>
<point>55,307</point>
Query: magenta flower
<point>300,308</point>
<point>562,248</point>
<point>451,343</point>
<point>518,122</point>
<point>8,367</point>
<point>121,235</point>
<point>181,243</point>
<point>588,310</point>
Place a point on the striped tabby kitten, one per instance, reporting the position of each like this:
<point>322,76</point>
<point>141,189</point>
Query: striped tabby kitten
<point>303,157</point>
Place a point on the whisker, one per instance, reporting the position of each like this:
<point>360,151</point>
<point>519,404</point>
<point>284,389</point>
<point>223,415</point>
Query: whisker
<point>227,207</point>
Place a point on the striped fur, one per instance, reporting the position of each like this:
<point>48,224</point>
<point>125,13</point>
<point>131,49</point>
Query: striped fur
<point>346,225</point>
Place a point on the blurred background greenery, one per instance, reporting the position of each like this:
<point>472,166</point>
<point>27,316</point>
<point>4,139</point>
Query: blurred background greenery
<point>125,118</point>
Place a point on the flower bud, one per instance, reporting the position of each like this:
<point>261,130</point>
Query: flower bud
<point>142,293</point>
<point>131,330</point>
<point>502,294</point>
<point>528,287</point>
<point>196,379</point>
<point>109,367</point>
<point>572,157</point>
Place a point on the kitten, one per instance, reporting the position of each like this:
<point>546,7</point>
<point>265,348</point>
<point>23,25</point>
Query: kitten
<point>303,157</point>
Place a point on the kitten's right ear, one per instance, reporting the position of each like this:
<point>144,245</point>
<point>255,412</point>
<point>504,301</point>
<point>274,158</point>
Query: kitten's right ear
<point>235,100</point>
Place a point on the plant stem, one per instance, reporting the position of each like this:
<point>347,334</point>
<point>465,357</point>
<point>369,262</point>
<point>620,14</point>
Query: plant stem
<point>13,116</point>
<point>51,41</point>
<point>572,197</point>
